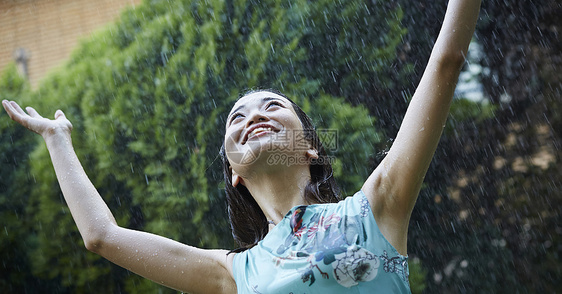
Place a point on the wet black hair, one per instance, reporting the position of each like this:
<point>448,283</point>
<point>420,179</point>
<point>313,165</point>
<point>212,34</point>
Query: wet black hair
<point>247,220</point>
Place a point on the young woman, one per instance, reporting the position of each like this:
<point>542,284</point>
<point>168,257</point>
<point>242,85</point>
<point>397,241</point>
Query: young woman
<point>294,235</point>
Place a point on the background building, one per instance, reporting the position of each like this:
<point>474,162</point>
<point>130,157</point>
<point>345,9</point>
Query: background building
<point>40,34</point>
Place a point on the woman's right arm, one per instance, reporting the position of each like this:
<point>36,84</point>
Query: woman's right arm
<point>162,260</point>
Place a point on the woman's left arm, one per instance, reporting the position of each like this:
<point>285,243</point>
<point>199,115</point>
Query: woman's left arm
<point>393,187</point>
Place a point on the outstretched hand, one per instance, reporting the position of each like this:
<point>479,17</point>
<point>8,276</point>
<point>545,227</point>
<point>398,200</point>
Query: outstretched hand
<point>33,121</point>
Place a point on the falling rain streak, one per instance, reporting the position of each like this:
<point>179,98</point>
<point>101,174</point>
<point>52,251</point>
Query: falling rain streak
<point>149,93</point>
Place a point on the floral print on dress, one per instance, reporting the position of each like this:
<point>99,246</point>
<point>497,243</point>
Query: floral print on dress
<point>365,208</point>
<point>396,264</point>
<point>354,266</point>
<point>336,241</point>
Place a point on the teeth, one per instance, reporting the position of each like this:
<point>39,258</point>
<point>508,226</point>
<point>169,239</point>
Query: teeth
<point>258,130</point>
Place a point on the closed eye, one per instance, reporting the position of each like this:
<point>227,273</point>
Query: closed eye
<point>274,103</point>
<point>235,116</point>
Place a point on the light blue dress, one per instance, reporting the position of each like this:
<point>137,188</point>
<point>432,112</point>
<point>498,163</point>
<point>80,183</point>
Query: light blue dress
<point>323,248</point>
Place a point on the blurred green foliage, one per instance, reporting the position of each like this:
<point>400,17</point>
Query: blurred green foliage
<point>148,96</point>
<point>417,276</point>
<point>15,183</point>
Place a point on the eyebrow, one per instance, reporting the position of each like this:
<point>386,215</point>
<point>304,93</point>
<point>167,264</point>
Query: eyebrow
<point>263,100</point>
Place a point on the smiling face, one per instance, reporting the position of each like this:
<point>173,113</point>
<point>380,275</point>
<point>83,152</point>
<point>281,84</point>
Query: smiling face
<point>263,124</point>
<point>260,125</point>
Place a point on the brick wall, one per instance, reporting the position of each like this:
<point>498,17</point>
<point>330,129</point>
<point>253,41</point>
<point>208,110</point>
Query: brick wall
<point>49,29</point>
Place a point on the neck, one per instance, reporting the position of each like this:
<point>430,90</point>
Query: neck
<point>277,192</point>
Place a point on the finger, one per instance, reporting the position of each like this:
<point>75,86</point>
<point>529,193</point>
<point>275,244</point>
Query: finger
<point>7,107</point>
<point>32,112</point>
<point>10,109</point>
<point>17,108</point>
<point>16,113</point>
<point>59,113</point>
<point>6,103</point>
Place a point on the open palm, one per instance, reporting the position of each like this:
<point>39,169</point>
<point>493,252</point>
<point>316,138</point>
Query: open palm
<point>33,121</point>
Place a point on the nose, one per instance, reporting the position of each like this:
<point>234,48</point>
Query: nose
<point>256,117</point>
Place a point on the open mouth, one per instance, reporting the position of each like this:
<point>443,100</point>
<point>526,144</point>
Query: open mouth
<point>259,130</point>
